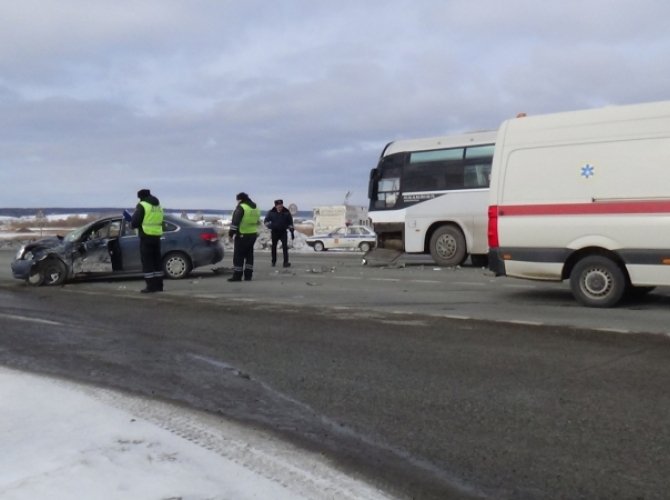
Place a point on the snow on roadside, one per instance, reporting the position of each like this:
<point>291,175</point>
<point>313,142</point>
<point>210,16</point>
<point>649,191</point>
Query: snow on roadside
<point>74,441</point>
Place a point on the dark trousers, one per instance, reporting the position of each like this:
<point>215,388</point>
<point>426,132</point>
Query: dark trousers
<point>152,265</point>
<point>276,238</point>
<point>243,254</point>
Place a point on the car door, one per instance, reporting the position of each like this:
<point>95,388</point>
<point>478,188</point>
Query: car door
<point>129,246</point>
<point>339,238</point>
<point>94,248</point>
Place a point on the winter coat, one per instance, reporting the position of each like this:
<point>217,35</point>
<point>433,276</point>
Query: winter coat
<point>279,222</point>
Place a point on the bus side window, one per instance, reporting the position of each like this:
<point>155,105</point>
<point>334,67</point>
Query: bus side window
<point>455,176</point>
<point>477,175</point>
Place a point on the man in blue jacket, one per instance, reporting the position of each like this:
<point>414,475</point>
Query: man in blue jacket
<point>279,220</point>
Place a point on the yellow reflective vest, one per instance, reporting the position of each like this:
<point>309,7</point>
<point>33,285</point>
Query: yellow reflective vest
<point>249,222</point>
<point>152,224</point>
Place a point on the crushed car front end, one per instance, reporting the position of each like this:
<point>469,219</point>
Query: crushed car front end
<point>41,262</point>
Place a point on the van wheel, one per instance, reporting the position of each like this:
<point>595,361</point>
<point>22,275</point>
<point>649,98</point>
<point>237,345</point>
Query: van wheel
<point>597,281</point>
<point>447,246</point>
<point>318,247</point>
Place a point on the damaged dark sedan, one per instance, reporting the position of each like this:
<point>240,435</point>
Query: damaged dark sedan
<point>110,246</point>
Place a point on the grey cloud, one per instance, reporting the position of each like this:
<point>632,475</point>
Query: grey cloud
<point>203,99</point>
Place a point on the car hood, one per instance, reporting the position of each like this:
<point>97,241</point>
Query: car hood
<point>45,243</point>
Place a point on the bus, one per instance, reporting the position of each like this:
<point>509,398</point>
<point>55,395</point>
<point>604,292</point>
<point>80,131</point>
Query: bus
<point>430,196</point>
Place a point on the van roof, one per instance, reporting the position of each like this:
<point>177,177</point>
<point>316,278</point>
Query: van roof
<point>607,114</point>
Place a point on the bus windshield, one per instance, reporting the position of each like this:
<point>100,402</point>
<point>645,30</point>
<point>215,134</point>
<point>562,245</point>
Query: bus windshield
<point>403,179</point>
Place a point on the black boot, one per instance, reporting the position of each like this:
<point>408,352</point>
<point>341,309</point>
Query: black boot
<point>237,276</point>
<point>158,284</point>
<point>149,288</point>
<point>247,274</point>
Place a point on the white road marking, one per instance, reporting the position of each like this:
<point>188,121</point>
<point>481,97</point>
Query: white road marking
<point>31,320</point>
<point>613,330</point>
<point>523,322</point>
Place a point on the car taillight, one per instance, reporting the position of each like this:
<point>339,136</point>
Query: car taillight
<point>211,237</point>
<point>493,227</point>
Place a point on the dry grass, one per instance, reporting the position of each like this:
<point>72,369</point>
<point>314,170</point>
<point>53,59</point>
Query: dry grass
<point>72,221</point>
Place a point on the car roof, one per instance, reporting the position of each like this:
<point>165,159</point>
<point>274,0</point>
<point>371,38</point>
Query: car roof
<point>180,221</point>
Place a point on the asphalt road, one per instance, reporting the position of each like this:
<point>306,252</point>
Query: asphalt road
<point>338,280</point>
<point>431,383</point>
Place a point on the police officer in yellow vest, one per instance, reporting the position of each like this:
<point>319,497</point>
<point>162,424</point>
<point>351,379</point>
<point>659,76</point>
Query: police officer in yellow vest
<point>148,218</point>
<point>244,229</point>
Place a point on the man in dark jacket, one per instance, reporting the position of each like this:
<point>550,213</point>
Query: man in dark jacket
<point>148,219</point>
<point>244,229</point>
<point>279,220</point>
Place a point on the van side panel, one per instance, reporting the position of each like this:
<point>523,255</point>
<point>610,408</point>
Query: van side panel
<point>584,182</point>
<point>600,171</point>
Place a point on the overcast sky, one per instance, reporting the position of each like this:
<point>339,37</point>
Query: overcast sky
<point>200,99</point>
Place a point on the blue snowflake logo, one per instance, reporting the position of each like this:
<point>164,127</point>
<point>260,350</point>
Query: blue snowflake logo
<point>588,171</point>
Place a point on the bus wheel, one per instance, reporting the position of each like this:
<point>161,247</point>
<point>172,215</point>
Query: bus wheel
<point>447,246</point>
<point>597,281</point>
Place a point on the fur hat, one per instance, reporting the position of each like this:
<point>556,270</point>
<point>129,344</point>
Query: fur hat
<point>143,193</point>
<point>279,202</point>
<point>242,196</point>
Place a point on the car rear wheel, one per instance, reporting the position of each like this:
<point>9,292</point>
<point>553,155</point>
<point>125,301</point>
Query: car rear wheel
<point>50,272</point>
<point>318,247</point>
<point>447,246</point>
<point>365,246</point>
<point>597,281</point>
<point>176,265</point>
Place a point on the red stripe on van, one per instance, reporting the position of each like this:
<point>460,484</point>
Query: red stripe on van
<point>597,207</point>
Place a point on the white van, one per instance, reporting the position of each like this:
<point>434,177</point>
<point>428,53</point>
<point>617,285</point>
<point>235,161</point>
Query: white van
<point>584,196</point>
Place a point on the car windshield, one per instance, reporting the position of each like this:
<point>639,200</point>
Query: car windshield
<point>76,234</point>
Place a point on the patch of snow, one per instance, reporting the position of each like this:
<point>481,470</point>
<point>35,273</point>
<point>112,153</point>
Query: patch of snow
<point>63,440</point>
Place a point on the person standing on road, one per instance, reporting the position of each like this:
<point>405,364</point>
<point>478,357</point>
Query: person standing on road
<point>148,219</point>
<point>279,220</point>
<point>244,230</point>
